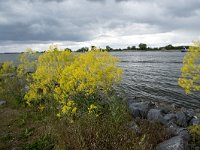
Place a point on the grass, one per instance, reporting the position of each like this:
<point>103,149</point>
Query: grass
<point>27,129</point>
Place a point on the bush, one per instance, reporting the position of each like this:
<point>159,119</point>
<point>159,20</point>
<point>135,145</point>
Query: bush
<point>195,132</point>
<point>190,76</point>
<point>72,83</point>
<point>11,87</point>
<point>28,63</point>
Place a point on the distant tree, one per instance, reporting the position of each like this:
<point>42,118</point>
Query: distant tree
<point>133,48</point>
<point>142,46</point>
<point>169,47</point>
<point>108,48</point>
<point>68,49</point>
<point>93,48</point>
<point>83,49</point>
<point>128,48</point>
<point>155,48</point>
<point>149,48</point>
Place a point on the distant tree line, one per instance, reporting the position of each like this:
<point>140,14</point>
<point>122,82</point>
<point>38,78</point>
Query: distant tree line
<point>140,47</point>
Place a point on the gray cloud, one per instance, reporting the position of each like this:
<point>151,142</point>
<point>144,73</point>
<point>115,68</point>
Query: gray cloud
<point>88,20</point>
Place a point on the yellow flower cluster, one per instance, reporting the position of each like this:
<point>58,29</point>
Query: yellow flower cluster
<point>92,108</point>
<point>49,66</point>
<point>69,110</point>
<point>190,72</point>
<point>90,72</point>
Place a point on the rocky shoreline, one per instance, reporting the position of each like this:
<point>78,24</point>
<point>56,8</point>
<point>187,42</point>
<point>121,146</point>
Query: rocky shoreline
<point>174,119</point>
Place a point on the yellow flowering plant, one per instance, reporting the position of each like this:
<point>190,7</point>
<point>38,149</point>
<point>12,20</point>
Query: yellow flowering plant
<point>70,82</point>
<point>190,71</point>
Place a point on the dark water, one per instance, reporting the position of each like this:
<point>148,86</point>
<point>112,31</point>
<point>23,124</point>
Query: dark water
<point>9,57</point>
<point>149,76</point>
<point>154,76</point>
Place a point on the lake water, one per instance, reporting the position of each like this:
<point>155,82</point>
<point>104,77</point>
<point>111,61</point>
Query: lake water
<point>149,76</point>
<point>9,57</point>
<point>154,76</point>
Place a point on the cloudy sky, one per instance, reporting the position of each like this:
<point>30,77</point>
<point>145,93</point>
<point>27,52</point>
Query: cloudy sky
<point>77,23</point>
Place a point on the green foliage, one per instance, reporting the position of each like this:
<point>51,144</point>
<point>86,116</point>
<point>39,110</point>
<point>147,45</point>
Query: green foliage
<point>169,47</point>
<point>195,132</point>
<point>142,46</point>
<point>28,63</point>
<point>118,110</point>
<point>27,132</point>
<point>83,49</point>
<point>108,48</point>
<point>43,143</point>
<point>190,72</point>
<point>11,86</point>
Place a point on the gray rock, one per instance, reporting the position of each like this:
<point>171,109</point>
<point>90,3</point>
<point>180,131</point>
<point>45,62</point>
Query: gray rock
<point>181,119</point>
<point>172,128</point>
<point>174,143</point>
<point>165,110</point>
<point>183,132</point>
<point>140,109</point>
<point>195,121</point>
<point>175,130</point>
<point>189,114</point>
<point>133,125</point>
<point>156,115</point>
<point>170,118</point>
<point>2,102</point>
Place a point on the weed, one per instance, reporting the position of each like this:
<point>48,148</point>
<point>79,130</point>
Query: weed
<point>45,142</point>
<point>195,132</point>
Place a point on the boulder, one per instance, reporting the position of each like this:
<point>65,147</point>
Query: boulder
<point>140,109</point>
<point>165,110</point>
<point>183,132</point>
<point>189,114</point>
<point>2,102</point>
<point>156,115</point>
<point>174,143</point>
<point>181,119</point>
<point>173,129</point>
<point>170,118</point>
<point>195,121</point>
